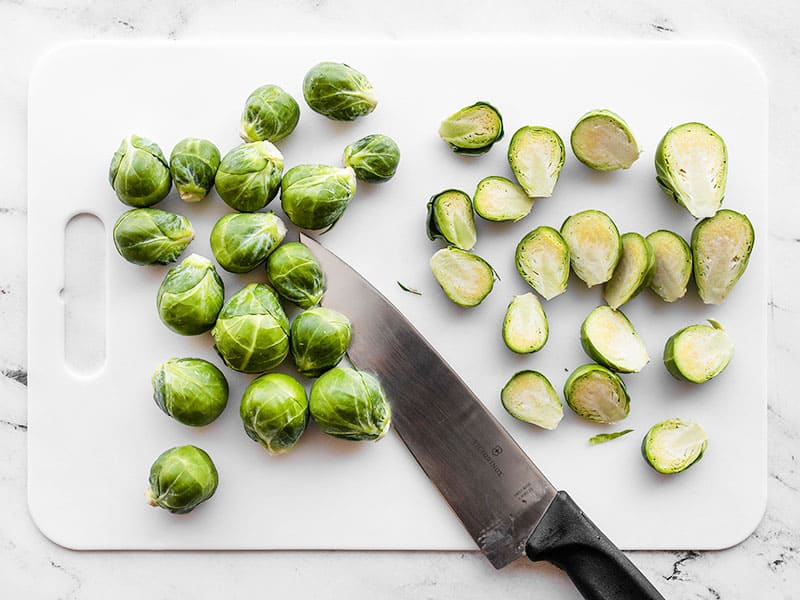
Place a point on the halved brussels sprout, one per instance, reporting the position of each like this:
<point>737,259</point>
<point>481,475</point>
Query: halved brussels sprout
<point>698,352</point>
<point>450,218</point>
<point>602,438</point>
<point>633,272</point>
<point>319,338</point>
<point>338,91</point>
<point>139,172</point>
<point>597,394</point>
<point>242,241</point>
<point>464,277</point>
<point>269,114</point>
<point>542,258</point>
<point>721,247</point>
<point>316,196</point>
<point>296,275</point>
<point>525,324</point>
<point>148,236</point>
<point>536,156</point>
<point>181,478</point>
<point>609,338</point>
<point>594,245</point>
<point>603,141</point>
<point>692,168</point>
<point>350,404</point>
<point>252,331</point>
<point>674,445</point>
<point>193,165</point>
<point>673,265</point>
<point>473,130</point>
<point>498,199</point>
<point>529,397</point>
<point>274,411</point>
<point>249,176</point>
<point>190,390</point>
<point>191,296</point>
<point>374,158</point>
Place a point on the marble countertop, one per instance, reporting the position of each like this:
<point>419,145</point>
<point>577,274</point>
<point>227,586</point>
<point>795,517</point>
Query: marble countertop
<point>765,566</point>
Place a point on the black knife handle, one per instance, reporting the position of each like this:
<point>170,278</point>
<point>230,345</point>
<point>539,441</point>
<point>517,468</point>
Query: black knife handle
<point>568,539</point>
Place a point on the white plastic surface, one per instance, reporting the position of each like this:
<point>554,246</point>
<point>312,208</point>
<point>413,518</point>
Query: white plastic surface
<point>92,439</point>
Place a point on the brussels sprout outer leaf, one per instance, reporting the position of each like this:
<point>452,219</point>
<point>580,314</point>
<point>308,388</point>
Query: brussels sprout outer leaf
<point>464,277</point>
<point>529,397</point>
<point>410,290</point>
<point>190,390</point>
<point>594,245</point>
<point>181,478</point>
<point>499,199</point>
<point>249,176</point>
<point>274,412</point>
<point>374,158</point>
<point>536,156</point>
<point>673,265</point>
<point>269,114</point>
<point>603,141</point>
<point>597,394</point>
<point>525,325</point>
<point>316,196</point>
<point>450,218</point>
<point>633,272</point>
<point>338,91</point>
<point>296,275</point>
<point>608,337</point>
<point>190,296</point>
<point>542,259</point>
<point>473,130</point>
<point>698,353</point>
<point>242,241</point>
<point>147,236</point>
<point>193,165</point>
<point>319,338</point>
<point>139,172</point>
<point>674,445</point>
<point>602,438</point>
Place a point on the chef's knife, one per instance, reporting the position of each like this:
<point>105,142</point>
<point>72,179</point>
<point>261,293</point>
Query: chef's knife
<point>507,505</point>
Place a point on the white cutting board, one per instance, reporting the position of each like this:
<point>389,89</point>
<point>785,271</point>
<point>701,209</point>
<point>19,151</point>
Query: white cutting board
<point>93,437</point>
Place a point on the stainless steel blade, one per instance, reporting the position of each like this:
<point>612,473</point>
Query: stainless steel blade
<point>491,484</point>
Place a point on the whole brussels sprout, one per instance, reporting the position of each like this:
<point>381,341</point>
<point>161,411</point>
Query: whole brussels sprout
<point>242,241</point>
<point>269,114</point>
<point>319,338</point>
<point>193,165</point>
<point>139,172</point>
<point>374,158</point>
<point>350,404</point>
<point>252,331</point>
<point>296,275</point>
<point>338,91</point>
<point>148,236</point>
<point>315,196</point>
<point>182,478</point>
<point>191,296</point>
<point>190,390</point>
<point>249,176</point>
<point>274,411</point>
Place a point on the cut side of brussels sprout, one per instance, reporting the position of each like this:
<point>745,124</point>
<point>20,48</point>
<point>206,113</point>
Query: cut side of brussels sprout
<point>602,438</point>
<point>721,248</point>
<point>609,338</point>
<point>692,168</point>
<point>193,164</point>
<point>249,176</point>
<point>473,130</point>
<point>633,272</point>
<point>190,297</point>
<point>464,277</point>
<point>319,338</point>
<point>373,158</point>
<point>603,141</point>
<point>139,172</point>
<point>148,236</point>
<point>698,352</point>
<point>274,412</point>
<point>181,479</point>
<point>296,275</point>
<point>525,325</point>
<point>536,156</point>
<point>338,91</point>
<point>529,397</point>
<point>316,196</point>
<point>190,390</point>
<point>674,445</point>
<point>673,265</point>
<point>594,245</point>
<point>597,394</point>
<point>498,199</point>
<point>242,241</point>
<point>450,218</point>
<point>269,114</point>
<point>542,258</point>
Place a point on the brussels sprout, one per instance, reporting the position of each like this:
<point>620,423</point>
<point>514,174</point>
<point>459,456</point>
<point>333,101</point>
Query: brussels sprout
<point>698,352</point>
<point>316,196</point>
<point>536,155</point>
<point>594,245</point>
<point>242,241</point>
<point>249,176</point>
<point>674,445</point>
<point>721,247</point>
<point>473,130</point>
<point>464,277</point>
<point>525,325</point>
<point>373,158</point>
<point>542,258</point>
<point>193,165</point>
<point>269,114</point>
<point>609,338</point>
<point>148,236</point>
<point>597,394</point>
<point>319,337</point>
<point>350,404</point>
<point>139,172</point>
<point>408,289</point>
<point>529,397</point>
<point>692,168</point>
<point>602,438</point>
<point>338,91</point>
<point>252,331</point>
<point>181,478</point>
<point>498,199</point>
<point>190,390</point>
<point>450,219</point>
<point>191,296</point>
<point>603,141</point>
<point>673,264</point>
<point>274,411</point>
<point>296,275</point>
<point>633,272</point>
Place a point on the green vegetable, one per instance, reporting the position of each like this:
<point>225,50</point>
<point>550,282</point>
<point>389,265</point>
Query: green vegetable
<point>296,275</point>
<point>602,438</point>
<point>673,265</point>
<point>633,272</point>
<point>190,390</point>
<point>597,394</point>
<point>181,478</point>
<point>450,218</point>
<point>609,338</point>
<point>473,130</point>
<point>193,165</point>
<point>525,324</point>
<point>498,199</point>
<point>319,338</point>
<point>139,172</point>
<point>410,290</point>
<point>148,236</point>
<point>536,156</point>
<point>373,158</point>
<point>269,114</point>
<point>242,241</point>
<point>529,397</point>
<point>316,196</point>
<point>274,412</point>
<point>542,258</point>
<point>191,296</point>
<point>249,176</point>
<point>338,91</point>
<point>698,352</point>
<point>464,277</point>
<point>594,245</point>
<point>603,141</point>
<point>674,445</point>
